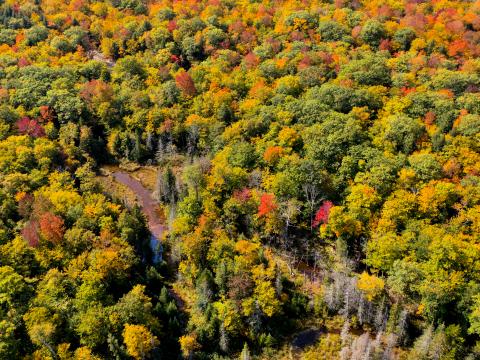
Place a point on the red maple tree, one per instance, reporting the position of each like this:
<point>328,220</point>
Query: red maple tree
<point>30,127</point>
<point>267,204</point>
<point>185,83</point>
<point>52,227</point>
<point>321,217</point>
<point>30,233</point>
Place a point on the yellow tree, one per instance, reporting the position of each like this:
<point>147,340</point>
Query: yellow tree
<point>189,344</point>
<point>139,341</point>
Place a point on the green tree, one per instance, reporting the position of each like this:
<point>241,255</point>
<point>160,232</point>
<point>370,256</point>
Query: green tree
<point>373,32</point>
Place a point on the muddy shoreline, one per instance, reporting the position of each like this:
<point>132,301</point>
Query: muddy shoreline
<point>149,207</point>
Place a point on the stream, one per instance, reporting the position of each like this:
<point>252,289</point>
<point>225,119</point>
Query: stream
<point>149,207</point>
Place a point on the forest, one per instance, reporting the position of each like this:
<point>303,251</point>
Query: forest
<point>315,167</point>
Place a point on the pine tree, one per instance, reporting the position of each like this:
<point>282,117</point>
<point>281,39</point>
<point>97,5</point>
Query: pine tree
<point>166,186</point>
<point>245,354</point>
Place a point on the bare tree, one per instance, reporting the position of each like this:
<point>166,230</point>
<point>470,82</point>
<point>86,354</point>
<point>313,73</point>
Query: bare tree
<point>160,154</point>
<point>192,140</point>
<point>223,342</point>
<point>312,194</point>
<point>360,348</point>
<point>289,211</point>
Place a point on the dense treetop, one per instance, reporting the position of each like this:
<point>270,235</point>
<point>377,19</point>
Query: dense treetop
<point>318,163</point>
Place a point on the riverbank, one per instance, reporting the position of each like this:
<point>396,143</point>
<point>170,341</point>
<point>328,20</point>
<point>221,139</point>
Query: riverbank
<point>130,189</point>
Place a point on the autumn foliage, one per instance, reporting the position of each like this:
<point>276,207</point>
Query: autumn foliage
<point>267,205</point>
<point>51,227</point>
<point>247,121</point>
<point>31,233</point>
<point>273,154</point>
<point>322,214</point>
<point>185,83</point>
<point>30,127</point>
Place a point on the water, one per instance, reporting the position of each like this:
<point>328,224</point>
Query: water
<point>306,338</point>
<point>149,207</point>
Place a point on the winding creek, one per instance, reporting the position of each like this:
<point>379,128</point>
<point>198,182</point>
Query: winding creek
<point>149,207</point>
